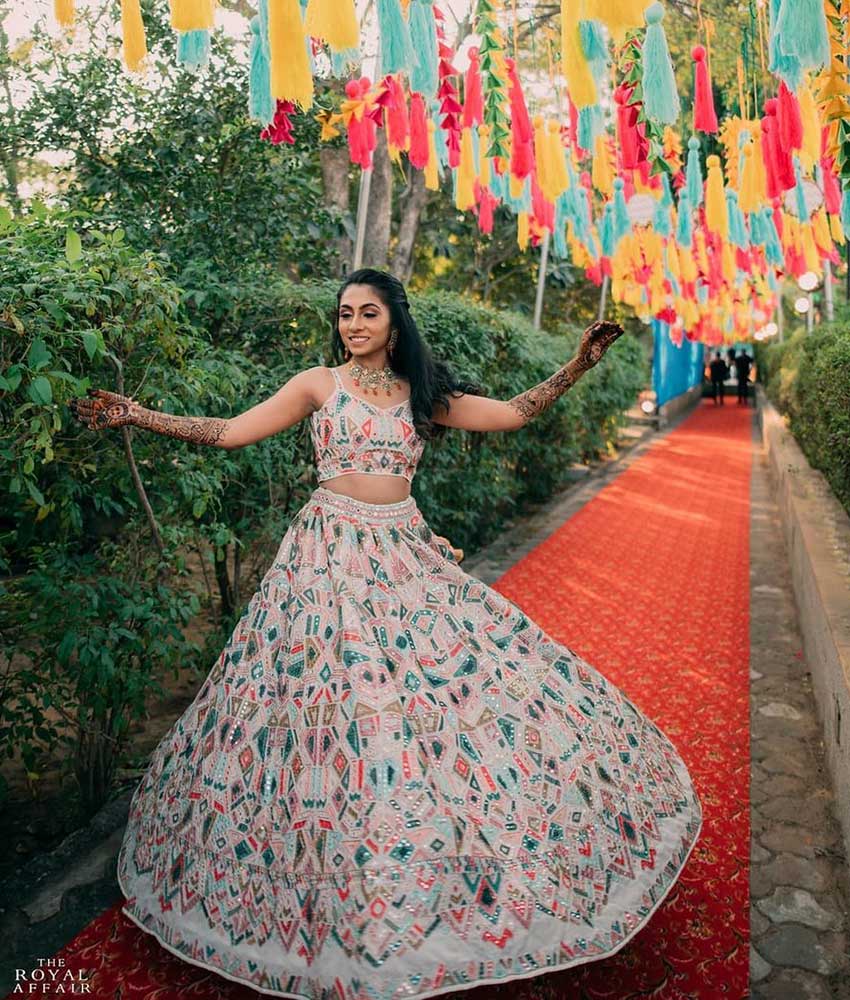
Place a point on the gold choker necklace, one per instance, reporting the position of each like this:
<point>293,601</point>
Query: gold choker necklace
<point>374,379</point>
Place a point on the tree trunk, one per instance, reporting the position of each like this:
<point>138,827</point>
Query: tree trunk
<point>225,587</point>
<point>379,214</point>
<point>335,161</point>
<point>411,211</point>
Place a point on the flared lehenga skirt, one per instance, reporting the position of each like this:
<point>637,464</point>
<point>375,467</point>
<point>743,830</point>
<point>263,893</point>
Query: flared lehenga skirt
<point>394,784</point>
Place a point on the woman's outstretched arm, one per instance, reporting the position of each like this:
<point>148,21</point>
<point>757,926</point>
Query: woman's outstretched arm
<point>295,400</point>
<point>479,413</point>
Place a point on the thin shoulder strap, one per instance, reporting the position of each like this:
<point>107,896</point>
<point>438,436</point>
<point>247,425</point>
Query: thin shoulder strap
<point>337,379</point>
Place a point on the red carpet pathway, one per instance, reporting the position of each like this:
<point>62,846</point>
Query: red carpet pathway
<point>649,582</point>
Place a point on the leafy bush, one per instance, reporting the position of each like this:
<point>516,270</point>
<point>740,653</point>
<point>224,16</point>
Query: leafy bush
<point>808,378</point>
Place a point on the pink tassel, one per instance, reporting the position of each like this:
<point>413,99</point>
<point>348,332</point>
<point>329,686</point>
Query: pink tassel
<point>705,117</point>
<point>473,99</point>
<point>418,154</point>
<point>789,118</point>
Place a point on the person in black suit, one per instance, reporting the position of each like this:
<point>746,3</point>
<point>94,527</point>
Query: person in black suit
<point>719,373</point>
<point>743,364</point>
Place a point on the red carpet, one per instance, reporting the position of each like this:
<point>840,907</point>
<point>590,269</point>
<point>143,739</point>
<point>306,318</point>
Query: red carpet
<point>650,583</point>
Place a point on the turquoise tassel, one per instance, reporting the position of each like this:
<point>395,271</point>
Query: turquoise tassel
<point>397,51</point>
<point>799,194</point>
<point>622,222</point>
<point>560,241</point>
<point>440,143</point>
<point>785,66</point>
<point>845,212</point>
<point>661,222</point>
<point>590,123</point>
<point>693,173</point>
<point>193,48</point>
<point>801,31</point>
<point>773,245</point>
<point>606,230</point>
<point>423,35</point>
<point>523,203</point>
<point>757,233</point>
<point>260,103</point>
<point>592,41</point>
<point>660,96</point>
<point>737,227</point>
<point>684,223</point>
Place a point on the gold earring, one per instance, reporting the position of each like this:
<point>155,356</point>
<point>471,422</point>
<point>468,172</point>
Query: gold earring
<point>346,354</point>
<point>393,340</point>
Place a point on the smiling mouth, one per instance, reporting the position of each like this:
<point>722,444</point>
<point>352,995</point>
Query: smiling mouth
<point>357,340</point>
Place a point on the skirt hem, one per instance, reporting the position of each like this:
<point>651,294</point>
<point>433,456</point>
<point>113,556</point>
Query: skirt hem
<point>439,991</point>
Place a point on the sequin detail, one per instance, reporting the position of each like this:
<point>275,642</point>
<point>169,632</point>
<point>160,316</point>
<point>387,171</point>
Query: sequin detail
<point>350,434</point>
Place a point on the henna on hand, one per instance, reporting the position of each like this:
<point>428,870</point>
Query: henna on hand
<point>595,341</point>
<point>103,410</point>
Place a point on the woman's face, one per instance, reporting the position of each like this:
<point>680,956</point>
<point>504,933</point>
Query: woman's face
<point>364,321</point>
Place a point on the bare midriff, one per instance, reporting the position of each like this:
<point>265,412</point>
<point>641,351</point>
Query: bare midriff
<point>368,487</point>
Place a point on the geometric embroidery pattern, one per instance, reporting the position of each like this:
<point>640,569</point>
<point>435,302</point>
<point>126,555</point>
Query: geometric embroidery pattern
<point>394,783</point>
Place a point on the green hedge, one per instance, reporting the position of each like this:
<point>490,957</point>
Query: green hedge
<point>808,379</point>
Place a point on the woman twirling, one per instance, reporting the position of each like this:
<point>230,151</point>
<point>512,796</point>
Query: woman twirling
<point>393,783</point>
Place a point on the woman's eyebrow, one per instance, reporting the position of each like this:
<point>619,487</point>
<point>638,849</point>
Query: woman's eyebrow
<point>365,305</point>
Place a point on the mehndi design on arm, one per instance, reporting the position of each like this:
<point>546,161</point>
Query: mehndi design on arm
<point>102,410</point>
<point>595,341</point>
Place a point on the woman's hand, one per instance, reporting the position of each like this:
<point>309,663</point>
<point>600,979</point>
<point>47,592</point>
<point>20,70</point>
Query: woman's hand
<point>102,409</point>
<point>596,340</point>
<point>457,553</point>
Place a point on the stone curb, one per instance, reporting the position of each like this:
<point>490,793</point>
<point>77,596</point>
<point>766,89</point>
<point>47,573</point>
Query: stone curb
<point>817,535</point>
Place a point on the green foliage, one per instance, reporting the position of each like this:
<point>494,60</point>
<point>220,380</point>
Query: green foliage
<point>808,378</point>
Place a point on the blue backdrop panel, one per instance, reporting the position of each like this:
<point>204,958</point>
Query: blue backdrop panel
<point>674,369</point>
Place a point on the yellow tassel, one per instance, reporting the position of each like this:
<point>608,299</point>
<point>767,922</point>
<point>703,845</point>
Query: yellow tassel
<point>700,252</point>
<point>836,229</point>
<point>465,190</point>
<point>617,15</point>
<point>291,79</point>
<point>541,160</point>
<point>602,173</point>
<point>688,266</point>
<point>820,229</point>
<point>810,251</point>
<point>750,197</point>
<point>673,261</point>
<point>517,186</point>
<point>522,230</point>
<point>810,152</point>
<point>334,21</point>
<point>483,159</point>
<point>557,155</point>
<point>432,174</point>
<point>193,15</point>
<point>716,216</point>
<point>133,30</point>
<point>575,67</point>
<point>64,12</point>
<point>727,264</point>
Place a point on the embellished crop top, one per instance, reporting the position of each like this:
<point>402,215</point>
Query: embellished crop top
<point>350,434</point>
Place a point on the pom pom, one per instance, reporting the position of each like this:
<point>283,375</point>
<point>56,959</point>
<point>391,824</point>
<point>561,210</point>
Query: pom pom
<point>660,96</point>
<point>133,32</point>
<point>397,52</point>
<point>334,21</point>
<point>705,117</point>
<point>423,36</point>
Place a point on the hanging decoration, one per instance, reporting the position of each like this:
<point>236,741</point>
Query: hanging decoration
<point>696,234</point>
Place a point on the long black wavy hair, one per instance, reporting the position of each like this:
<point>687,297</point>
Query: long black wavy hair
<point>431,381</point>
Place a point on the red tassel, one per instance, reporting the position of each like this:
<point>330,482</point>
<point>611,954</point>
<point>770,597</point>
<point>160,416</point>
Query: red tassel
<point>831,187</point>
<point>398,123</point>
<point>362,136</point>
<point>473,99</point>
<point>522,137</point>
<point>485,211</point>
<point>279,128</point>
<point>778,163</point>
<point>705,117</point>
<point>789,118</point>
<point>418,154</point>
<point>629,137</point>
